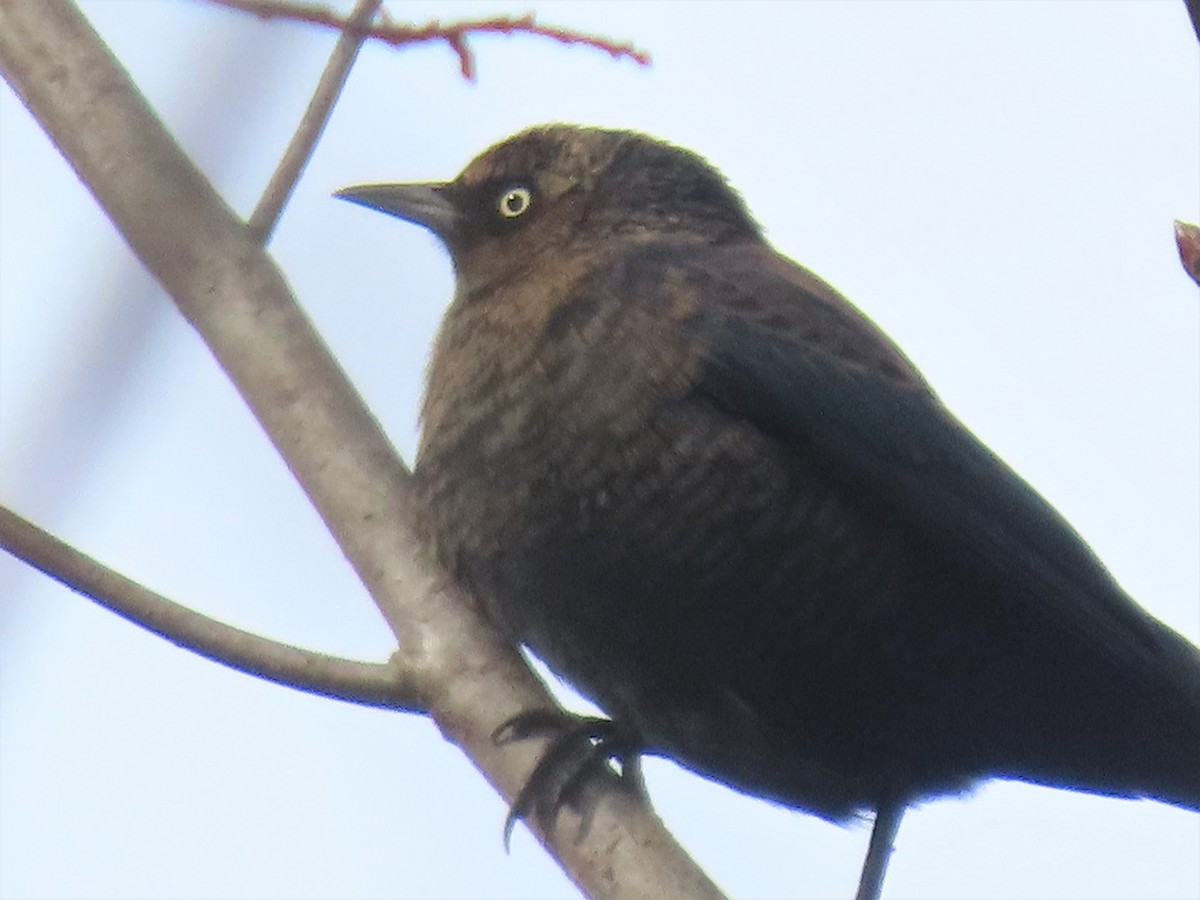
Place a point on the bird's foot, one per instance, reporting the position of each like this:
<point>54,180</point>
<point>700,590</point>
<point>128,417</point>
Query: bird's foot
<point>879,850</point>
<point>579,745</point>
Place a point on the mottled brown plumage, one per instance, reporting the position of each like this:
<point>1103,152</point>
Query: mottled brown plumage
<point>708,492</point>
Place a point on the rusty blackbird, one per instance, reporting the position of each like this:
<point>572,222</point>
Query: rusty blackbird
<point>710,493</point>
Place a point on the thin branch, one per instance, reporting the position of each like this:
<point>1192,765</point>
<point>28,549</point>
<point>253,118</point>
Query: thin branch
<point>370,684</point>
<point>357,682</point>
<point>237,300</point>
<point>262,221</point>
<point>454,33</point>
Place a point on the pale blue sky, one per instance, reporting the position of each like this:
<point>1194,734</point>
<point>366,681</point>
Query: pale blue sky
<point>994,183</point>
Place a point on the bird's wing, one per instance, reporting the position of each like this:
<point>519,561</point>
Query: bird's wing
<point>887,431</point>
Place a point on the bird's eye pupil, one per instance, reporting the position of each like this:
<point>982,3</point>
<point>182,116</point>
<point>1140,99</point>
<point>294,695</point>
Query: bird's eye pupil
<point>514,202</point>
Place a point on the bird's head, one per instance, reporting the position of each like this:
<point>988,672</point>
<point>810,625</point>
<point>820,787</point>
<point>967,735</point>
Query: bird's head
<point>561,189</point>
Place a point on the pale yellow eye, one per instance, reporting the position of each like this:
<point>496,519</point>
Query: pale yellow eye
<point>514,202</point>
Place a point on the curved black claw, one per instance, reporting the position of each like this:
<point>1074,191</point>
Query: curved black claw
<point>580,745</point>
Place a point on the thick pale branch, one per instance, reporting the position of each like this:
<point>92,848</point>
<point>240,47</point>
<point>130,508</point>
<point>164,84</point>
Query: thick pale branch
<point>233,295</point>
<point>357,682</point>
<point>370,684</point>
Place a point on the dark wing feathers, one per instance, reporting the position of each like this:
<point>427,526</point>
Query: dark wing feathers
<point>893,435</point>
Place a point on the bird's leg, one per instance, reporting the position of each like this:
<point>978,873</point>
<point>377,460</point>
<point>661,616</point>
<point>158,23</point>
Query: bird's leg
<point>580,744</point>
<point>883,833</point>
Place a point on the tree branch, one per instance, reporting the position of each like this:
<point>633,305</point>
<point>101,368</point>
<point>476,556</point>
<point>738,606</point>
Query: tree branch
<point>366,683</point>
<point>237,300</point>
<point>369,684</point>
<point>300,148</point>
<point>453,33</point>
<point>1187,240</point>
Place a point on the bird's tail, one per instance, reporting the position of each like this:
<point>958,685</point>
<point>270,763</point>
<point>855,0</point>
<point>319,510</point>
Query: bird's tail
<point>1138,725</point>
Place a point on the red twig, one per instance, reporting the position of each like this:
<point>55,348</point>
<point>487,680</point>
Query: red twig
<point>1187,239</point>
<point>454,33</point>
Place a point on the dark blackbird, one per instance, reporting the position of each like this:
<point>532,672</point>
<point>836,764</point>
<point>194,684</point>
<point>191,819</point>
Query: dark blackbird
<point>711,494</point>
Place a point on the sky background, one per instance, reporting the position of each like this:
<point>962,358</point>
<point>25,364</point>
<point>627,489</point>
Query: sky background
<point>994,183</point>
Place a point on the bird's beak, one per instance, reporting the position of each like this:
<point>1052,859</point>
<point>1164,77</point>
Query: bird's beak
<point>423,204</point>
